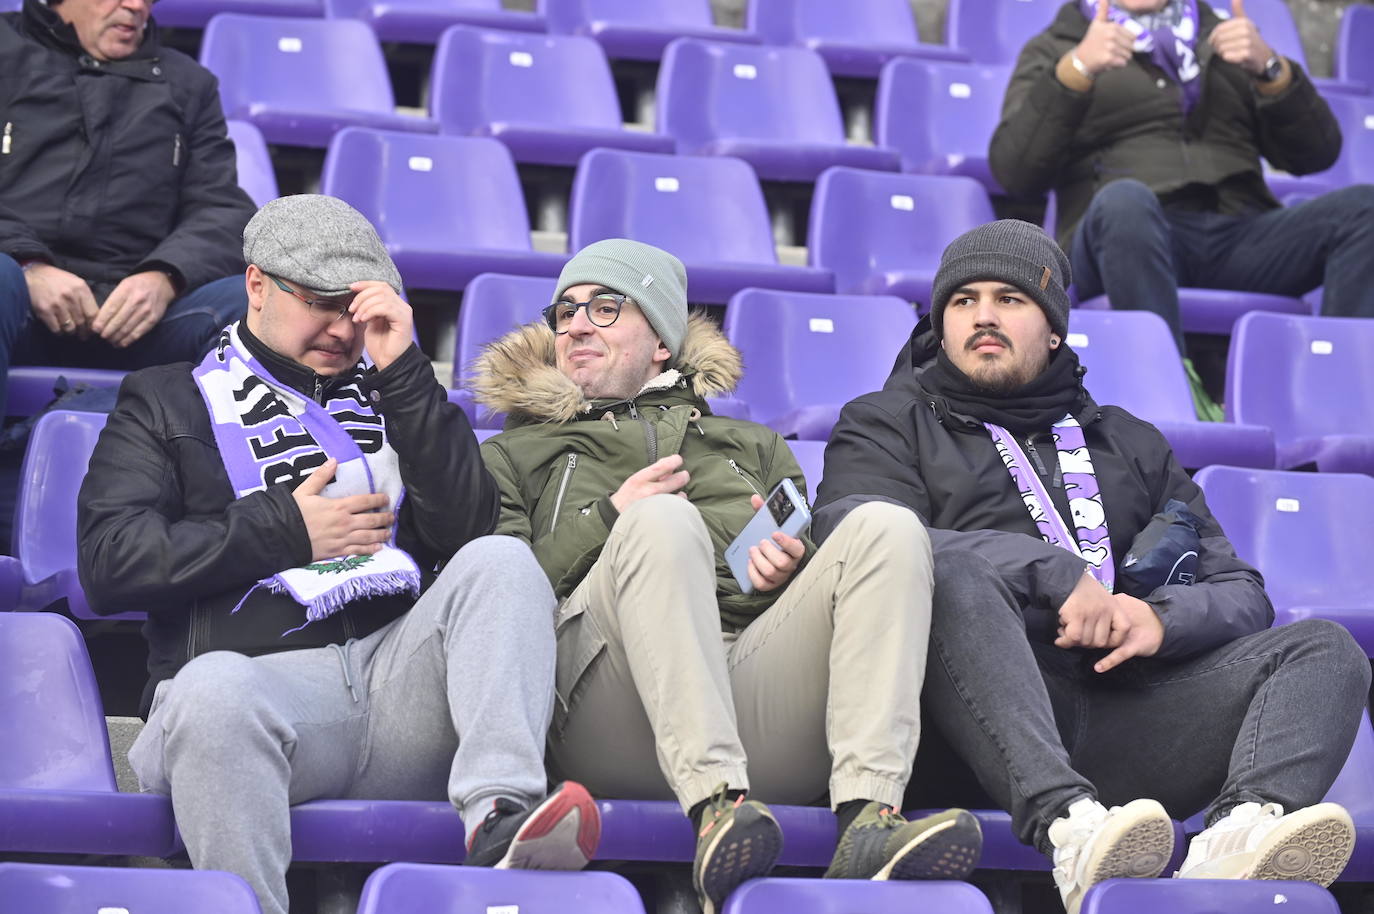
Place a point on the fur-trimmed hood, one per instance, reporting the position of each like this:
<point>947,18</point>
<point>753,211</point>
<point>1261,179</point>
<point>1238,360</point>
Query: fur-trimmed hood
<point>516,374</point>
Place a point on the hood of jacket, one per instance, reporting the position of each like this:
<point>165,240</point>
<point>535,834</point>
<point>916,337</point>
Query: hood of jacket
<point>517,374</point>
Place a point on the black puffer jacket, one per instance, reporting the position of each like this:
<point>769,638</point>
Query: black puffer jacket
<point>904,444</point>
<point>110,168</point>
<point>159,528</point>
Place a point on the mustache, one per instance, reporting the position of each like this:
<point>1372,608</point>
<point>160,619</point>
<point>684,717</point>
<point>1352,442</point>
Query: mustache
<point>982,335</point>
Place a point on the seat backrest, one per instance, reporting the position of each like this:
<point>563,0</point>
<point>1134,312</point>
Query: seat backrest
<point>1356,116</point>
<point>483,77</point>
<point>1132,363</point>
<point>995,31</point>
<point>803,349</point>
<point>811,457</point>
<point>256,175</point>
<point>59,449</point>
<point>709,90</point>
<point>1206,896</point>
<point>52,724</point>
<point>938,112</point>
<point>401,887</point>
<point>582,16</point>
<point>701,208</point>
<point>493,305</point>
<point>867,222</point>
<point>306,64</point>
<point>1354,786</point>
<point>846,896</point>
<point>1302,376</point>
<point>1354,62</point>
<point>1275,24</point>
<point>876,22</point>
<point>428,192</point>
<point>47,887</point>
<point>1307,533</point>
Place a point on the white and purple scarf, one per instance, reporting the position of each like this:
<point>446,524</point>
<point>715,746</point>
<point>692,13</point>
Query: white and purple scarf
<point>268,434</point>
<point>1092,543</point>
<point>1169,36</point>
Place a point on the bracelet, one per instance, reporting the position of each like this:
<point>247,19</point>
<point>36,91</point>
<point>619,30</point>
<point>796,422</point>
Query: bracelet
<point>1081,67</point>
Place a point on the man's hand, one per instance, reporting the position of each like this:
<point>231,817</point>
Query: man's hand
<point>134,307</point>
<point>61,300</point>
<point>1106,46</point>
<point>1085,619</point>
<point>1136,632</point>
<point>353,525</point>
<point>388,322</point>
<point>661,477</point>
<point>1238,41</point>
<point>773,560</point>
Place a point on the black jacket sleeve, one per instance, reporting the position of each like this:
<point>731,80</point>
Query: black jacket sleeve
<point>1297,131</point>
<point>1040,116</point>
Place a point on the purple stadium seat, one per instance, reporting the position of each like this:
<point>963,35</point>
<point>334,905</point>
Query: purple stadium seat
<point>882,234</point>
<point>301,80</point>
<point>940,116</point>
<point>1207,896</point>
<point>10,6</point>
<point>811,456</point>
<point>256,176</point>
<point>422,21</point>
<point>1310,379</point>
<point>709,211</point>
<point>1308,534</point>
<point>1356,163</point>
<point>1354,789</point>
<point>994,31</point>
<point>31,387</point>
<point>446,207</point>
<point>846,896</point>
<point>549,98</point>
<point>638,29</point>
<point>106,890</point>
<point>1216,310</point>
<point>1276,25</point>
<point>416,887</point>
<point>194,14</point>
<point>57,786</point>
<point>1132,363</point>
<point>1354,63</point>
<point>855,39</point>
<point>806,356</point>
<point>774,107</point>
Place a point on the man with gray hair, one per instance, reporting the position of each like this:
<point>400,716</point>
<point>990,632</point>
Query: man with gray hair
<point>280,511</point>
<point>673,679</point>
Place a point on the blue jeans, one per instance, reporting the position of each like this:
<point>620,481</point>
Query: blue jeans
<point>185,333</point>
<point>1139,252</point>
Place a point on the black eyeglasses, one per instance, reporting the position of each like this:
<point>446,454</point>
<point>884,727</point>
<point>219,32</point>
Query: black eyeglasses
<point>325,309</point>
<point>602,310</point>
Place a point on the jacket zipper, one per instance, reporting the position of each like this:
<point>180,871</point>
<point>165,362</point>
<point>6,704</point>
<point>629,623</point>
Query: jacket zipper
<point>5,141</point>
<point>176,151</point>
<point>562,490</point>
<point>735,466</point>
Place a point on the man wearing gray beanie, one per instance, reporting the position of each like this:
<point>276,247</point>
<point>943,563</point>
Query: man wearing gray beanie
<point>308,529</point>
<point>674,681</point>
<point>1096,640</point>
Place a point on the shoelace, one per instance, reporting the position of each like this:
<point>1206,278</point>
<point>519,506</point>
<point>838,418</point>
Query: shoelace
<point>501,808</point>
<point>720,804</point>
<point>890,818</point>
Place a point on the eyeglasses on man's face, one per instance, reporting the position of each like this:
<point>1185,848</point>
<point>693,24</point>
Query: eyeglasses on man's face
<point>325,309</point>
<point>602,310</point>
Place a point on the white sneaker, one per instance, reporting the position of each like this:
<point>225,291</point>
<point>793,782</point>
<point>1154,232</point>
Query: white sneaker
<point>1260,842</point>
<point>1093,843</point>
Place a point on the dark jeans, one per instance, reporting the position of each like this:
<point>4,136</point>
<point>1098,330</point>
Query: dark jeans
<point>1139,252</point>
<point>185,333</point>
<point>1268,718</point>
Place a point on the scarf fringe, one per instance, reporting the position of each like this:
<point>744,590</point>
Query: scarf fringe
<point>350,589</point>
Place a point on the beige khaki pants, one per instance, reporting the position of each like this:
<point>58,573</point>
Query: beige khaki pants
<point>822,690</point>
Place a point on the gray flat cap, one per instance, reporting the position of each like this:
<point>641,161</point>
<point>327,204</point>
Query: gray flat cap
<point>317,242</point>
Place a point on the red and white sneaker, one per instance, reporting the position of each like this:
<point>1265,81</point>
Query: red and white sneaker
<point>561,832</point>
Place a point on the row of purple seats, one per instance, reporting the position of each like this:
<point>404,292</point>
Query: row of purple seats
<point>59,889</point>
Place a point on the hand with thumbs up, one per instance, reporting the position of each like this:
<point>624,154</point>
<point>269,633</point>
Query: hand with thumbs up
<point>1106,46</point>
<point>352,525</point>
<point>1238,41</point>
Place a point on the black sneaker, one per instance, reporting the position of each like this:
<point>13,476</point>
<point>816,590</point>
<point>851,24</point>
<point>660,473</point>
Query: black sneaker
<point>739,840</point>
<point>880,844</point>
<point>559,833</point>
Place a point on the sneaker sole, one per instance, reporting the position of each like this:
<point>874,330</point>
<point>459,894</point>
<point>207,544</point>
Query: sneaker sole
<point>950,850</point>
<point>561,834</point>
<point>1137,845</point>
<point>746,849</point>
<point>1311,845</point>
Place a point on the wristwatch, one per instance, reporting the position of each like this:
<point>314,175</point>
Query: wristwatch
<point>1273,68</point>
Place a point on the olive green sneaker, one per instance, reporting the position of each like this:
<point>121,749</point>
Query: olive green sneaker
<point>880,844</point>
<point>739,840</point>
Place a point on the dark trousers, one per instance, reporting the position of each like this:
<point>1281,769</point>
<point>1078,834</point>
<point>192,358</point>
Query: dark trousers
<point>1269,717</point>
<point>1138,252</point>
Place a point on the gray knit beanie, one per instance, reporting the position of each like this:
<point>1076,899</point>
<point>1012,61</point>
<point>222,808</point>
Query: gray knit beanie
<point>654,279</point>
<point>317,242</point>
<point>1011,251</point>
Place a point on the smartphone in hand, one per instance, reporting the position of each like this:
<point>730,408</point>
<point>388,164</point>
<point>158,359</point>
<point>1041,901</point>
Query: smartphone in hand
<point>784,509</point>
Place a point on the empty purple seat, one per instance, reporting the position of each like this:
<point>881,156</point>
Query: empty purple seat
<point>1133,363</point>
<point>446,207</point>
<point>1280,32</point>
<point>31,387</point>
<point>995,31</point>
<point>1354,64</point>
<point>638,29</point>
<point>1356,162</point>
<point>300,81</point>
<point>549,98</point>
<point>194,14</point>
<point>811,456</point>
<point>808,355</point>
<point>405,887</point>
<point>774,107</point>
<point>709,211</point>
<point>423,21</point>
<point>493,305</point>
<point>846,896</point>
<point>40,887</point>
<point>256,175</point>
<point>1207,896</point>
<point>1310,379</point>
<point>940,116</point>
<point>882,234</point>
<point>1354,789</point>
<point>855,39</point>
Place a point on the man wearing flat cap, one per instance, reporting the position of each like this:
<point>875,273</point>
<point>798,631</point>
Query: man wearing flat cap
<point>1095,640</point>
<point>280,511</point>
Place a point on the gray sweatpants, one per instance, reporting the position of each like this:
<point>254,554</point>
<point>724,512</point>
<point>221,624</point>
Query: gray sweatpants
<point>452,699</point>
